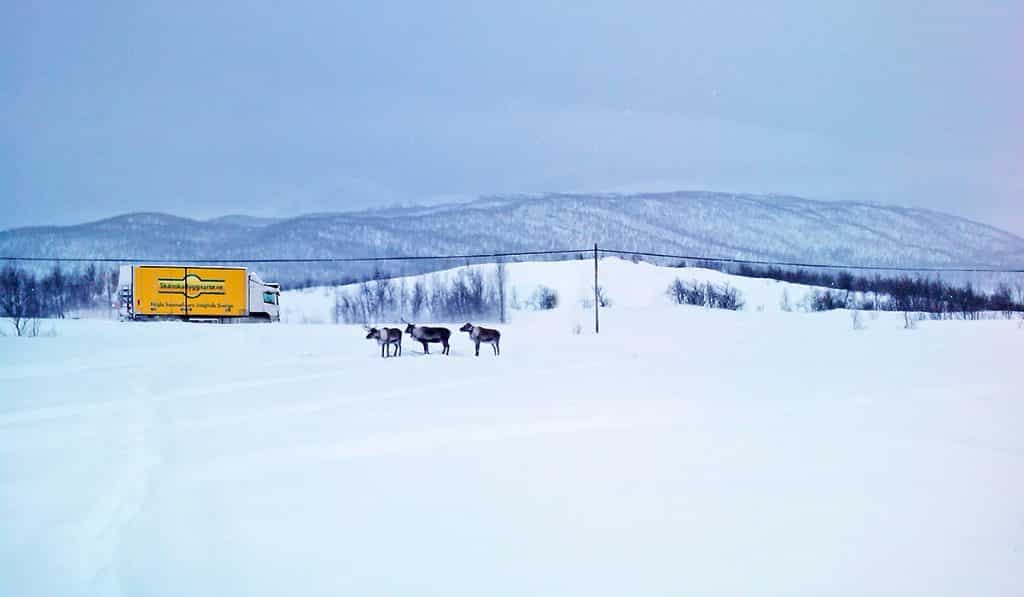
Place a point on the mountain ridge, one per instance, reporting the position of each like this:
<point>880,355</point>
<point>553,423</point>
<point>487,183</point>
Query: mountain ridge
<point>719,225</point>
<point>236,219</point>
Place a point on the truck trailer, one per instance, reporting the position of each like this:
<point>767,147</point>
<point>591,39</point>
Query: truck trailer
<point>196,293</point>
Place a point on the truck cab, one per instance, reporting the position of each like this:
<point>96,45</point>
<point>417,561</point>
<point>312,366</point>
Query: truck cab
<point>264,299</point>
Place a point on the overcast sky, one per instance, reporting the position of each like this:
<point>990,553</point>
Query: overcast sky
<point>279,108</point>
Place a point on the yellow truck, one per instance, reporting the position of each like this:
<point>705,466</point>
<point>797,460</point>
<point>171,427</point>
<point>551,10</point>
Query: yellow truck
<point>196,293</point>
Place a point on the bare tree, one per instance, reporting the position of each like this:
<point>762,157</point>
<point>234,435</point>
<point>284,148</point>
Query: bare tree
<point>19,300</point>
<point>419,297</point>
<point>111,289</point>
<point>383,294</point>
<point>88,286</point>
<point>366,301</point>
<point>784,304</point>
<point>55,288</point>
<point>338,317</point>
<point>500,275</point>
<point>403,294</point>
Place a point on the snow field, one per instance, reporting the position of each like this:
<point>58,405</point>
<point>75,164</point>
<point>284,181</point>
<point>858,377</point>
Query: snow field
<point>681,451</point>
<point>629,285</point>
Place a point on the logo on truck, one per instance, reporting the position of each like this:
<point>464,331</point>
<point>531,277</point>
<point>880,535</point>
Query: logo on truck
<point>191,285</point>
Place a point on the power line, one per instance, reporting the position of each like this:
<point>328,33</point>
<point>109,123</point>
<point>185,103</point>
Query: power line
<point>298,259</point>
<point>696,258</point>
<point>817,265</point>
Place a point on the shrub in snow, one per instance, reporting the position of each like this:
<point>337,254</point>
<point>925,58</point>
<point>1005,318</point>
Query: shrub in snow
<point>705,295</point>
<point>543,298</point>
<point>727,298</point>
<point>686,294</point>
<point>825,301</point>
<point>603,300</point>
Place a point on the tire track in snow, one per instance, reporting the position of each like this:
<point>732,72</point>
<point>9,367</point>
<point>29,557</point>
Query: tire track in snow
<point>320,405</point>
<point>404,442</point>
<point>94,541</point>
<point>56,412</point>
<point>231,466</point>
<point>67,410</point>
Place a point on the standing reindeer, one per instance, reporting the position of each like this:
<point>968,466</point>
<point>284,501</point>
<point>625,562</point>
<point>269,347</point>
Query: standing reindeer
<point>426,335</point>
<point>486,335</point>
<point>386,337</point>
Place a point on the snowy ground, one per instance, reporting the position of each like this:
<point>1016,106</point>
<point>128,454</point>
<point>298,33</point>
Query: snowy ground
<point>680,452</point>
<point>630,285</point>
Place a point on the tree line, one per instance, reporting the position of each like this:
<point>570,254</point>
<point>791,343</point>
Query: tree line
<point>895,293</point>
<point>26,296</point>
<point>467,295</point>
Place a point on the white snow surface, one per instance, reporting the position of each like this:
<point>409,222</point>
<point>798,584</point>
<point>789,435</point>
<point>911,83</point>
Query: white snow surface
<point>681,451</point>
<point>629,285</point>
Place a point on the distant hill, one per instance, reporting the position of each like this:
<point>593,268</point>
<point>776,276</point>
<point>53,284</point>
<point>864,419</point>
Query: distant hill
<point>695,223</point>
<point>244,221</point>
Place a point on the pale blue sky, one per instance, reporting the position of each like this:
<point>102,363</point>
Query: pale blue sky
<point>270,108</point>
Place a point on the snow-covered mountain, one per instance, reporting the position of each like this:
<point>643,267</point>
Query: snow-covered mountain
<point>693,223</point>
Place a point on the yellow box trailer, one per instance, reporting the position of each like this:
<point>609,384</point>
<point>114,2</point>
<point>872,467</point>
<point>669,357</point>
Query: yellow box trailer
<point>196,292</point>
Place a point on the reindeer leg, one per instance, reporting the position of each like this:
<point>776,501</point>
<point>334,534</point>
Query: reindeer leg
<point>495,347</point>
<point>426,349</point>
<point>477,348</point>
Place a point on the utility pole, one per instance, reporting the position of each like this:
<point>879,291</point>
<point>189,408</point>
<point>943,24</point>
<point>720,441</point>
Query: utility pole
<point>597,321</point>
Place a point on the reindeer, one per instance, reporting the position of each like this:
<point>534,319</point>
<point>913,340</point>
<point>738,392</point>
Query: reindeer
<point>386,337</point>
<point>426,335</point>
<point>486,335</point>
